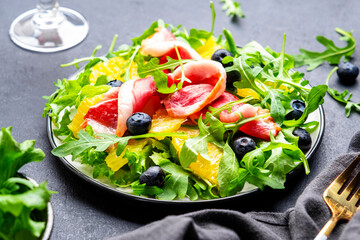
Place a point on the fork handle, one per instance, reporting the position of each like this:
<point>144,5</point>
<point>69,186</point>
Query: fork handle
<point>327,229</point>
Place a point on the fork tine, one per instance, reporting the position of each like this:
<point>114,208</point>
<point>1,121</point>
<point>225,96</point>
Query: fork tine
<point>341,179</point>
<point>355,198</point>
<point>352,185</point>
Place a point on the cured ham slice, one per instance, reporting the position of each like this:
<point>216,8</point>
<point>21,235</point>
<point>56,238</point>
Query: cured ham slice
<point>260,128</point>
<point>102,117</point>
<point>111,113</point>
<point>162,44</point>
<point>208,82</point>
<point>125,106</point>
<point>134,95</point>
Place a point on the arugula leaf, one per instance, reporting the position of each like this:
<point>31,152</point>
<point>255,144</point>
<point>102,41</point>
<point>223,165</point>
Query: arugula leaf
<point>228,171</point>
<point>197,37</point>
<point>86,141</point>
<point>248,74</point>
<point>142,189</point>
<point>344,97</point>
<point>232,8</point>
<point>332,54</point>
<point>277,110</point>
<point>129,63</point>
<point>92,59</point>
<point>313,101</point>
<point>177,183</point>
<point>71,93</point>
<point>153,68</point>
<point>271,161</point>
<point>198,145</point>
<point>153,65</point>
<point>63,130</point>
<point>147,33</point>
<point>230,42</point>
<point>289,162</point>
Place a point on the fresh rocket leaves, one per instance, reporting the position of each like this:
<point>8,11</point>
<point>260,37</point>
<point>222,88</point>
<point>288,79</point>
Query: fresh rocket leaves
<point>151,30</point>
<point>87,141</point>
<point>312,102</point>
<point>232,8</point>
<point>199,145</point>
<point>154,68</point>
<point>344,97</point>
<point>71,93</point>
<point>332,54</point>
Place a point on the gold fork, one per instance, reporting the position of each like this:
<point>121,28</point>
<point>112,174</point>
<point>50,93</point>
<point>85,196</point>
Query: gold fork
<point>341,199</point>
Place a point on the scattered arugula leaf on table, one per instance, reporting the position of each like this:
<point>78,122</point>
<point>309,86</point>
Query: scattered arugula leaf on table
<point>332,54</point>
<point>344,97</point>
<point>232,8</point>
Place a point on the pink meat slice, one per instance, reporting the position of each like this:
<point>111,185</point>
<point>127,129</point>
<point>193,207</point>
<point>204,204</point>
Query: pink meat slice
<point>133,97</point>
<point>110,115</point>
<point>208,82</point>
<point>260,128</point>
<point>163,42</point>
<point>102,117</point>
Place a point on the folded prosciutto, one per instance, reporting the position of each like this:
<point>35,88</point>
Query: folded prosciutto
<point>260,128</point>
<point>162,44</point>
<point>110,114</point>
<point>208,82</point>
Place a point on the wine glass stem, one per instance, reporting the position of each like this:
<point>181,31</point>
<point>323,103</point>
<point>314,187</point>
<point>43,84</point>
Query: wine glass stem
<point>48,15</point>
<point>47,4</point>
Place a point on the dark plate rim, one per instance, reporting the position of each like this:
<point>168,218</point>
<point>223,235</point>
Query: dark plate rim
<point>90,180</point>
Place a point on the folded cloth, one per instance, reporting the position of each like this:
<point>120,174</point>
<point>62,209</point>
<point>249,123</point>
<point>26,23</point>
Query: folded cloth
<point>303,221</point>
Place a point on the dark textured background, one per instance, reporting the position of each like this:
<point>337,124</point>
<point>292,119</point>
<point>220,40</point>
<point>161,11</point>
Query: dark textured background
<point>83,211</point>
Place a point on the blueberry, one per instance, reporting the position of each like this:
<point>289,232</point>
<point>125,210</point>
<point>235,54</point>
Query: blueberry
<point>232,77</point>
<point>304,139</point>
<point>242,145</point>
<point>220,54</point>
<point>347,72</point>
<point>138,123</point>
<point>115,83</point>
<point>153,176</point>
<point>298,107</point>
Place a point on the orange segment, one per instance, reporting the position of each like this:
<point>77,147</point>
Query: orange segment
<point>116,162</point>
<point>162,122</point>
<point>202,167</point>
<point>207,50</point>
<point>114,69</point>
<point>208,169</point>
<point>244,92</point>
<point>83,108</point>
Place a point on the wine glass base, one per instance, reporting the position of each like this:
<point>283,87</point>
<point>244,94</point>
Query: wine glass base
<point>70,32</point>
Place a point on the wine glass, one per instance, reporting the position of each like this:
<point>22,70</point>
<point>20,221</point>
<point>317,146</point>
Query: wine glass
<point>48,28</point>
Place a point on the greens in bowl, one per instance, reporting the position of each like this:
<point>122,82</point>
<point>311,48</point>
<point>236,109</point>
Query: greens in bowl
<point>183,115</point>
<point>25,209</point>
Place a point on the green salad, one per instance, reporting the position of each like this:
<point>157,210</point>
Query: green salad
<point>21,201</point>
<point>186,115</point>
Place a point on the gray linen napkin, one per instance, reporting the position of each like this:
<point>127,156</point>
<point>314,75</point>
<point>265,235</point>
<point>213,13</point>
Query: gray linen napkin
<point>303,221</point>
